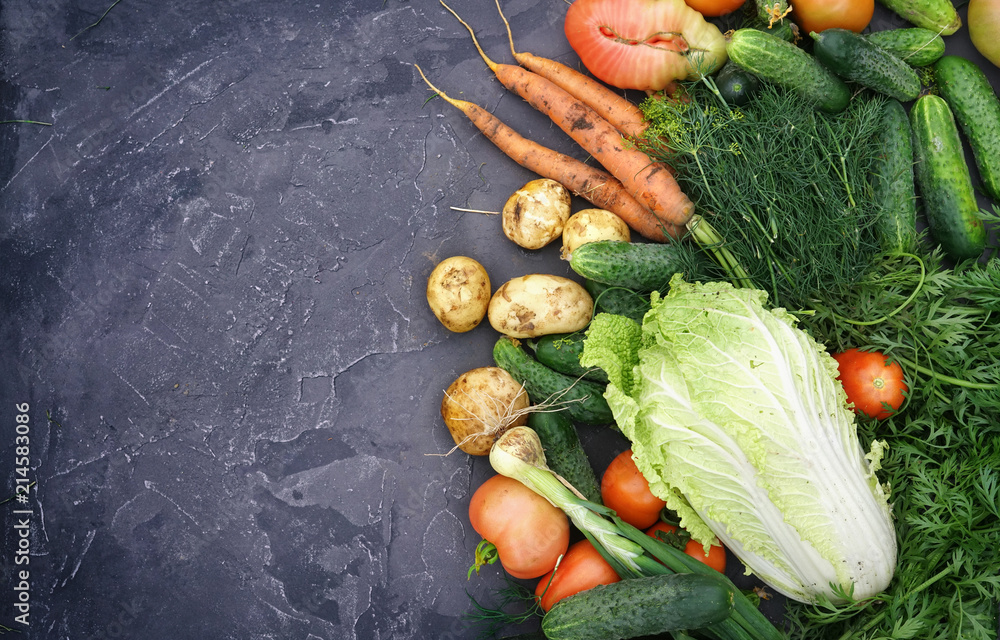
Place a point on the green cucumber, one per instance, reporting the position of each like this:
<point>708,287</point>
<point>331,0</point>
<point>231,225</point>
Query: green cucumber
<point>617,300</point>
<point>968,92</point>
<point>913,45</point>
<point>784,64</point>
<point>893,180</point>
<point>564,453</point>
<point>561,352</point>
<point>639,266</point>
<point>938,16</point>
<point>735,84</point>
<point>583,400</point>
<point>855,58</point>
<point>637,607</point>
<point>772,16</point>
<point>943,180</point>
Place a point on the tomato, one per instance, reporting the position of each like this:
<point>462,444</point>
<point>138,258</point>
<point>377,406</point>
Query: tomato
<point>643,44</point>
<point>624,489</point>
<point>876,389</point>
<point>984,24</point>
<point>818,15</point>
<point>715,558</point>
<point>581,568</point>
<point>714,8</point>
<point>529,533</point>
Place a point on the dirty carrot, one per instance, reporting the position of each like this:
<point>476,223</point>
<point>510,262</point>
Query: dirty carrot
<point>649,182</point>
<point>618,110</point>
<point>590,183</point>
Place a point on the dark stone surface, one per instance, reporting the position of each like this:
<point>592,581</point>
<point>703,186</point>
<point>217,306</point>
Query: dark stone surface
<point>212,271</point>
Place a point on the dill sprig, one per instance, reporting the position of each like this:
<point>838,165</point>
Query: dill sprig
<point>786,186</point>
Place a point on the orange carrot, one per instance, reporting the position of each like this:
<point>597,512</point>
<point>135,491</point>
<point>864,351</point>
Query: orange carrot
<point>619,111</point>
<point>590,183</point>
<point>651,183</point>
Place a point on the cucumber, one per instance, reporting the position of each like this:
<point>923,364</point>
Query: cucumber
<point>616,300</point>
<point>854,57</point>
<point>773,18</point>
<point>564,453</point>
<point>943,180</point>
<point>736,85</point>
<point>913,45</point>
<point>639,266</point>
<point>938,16</point>
<point>784,64</point>
<point>893,180</point>
<point>561,352</point>
<point>971,97</point>
<point>583,399</point>
<point>637,607</point>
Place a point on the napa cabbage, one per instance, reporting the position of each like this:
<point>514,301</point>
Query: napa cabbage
<point>737,421</point>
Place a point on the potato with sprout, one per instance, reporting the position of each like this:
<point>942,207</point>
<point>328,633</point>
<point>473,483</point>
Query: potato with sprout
<point>480,405</point>
<point>536,213</point>
<point>458,292</point>
<point>591,225</point>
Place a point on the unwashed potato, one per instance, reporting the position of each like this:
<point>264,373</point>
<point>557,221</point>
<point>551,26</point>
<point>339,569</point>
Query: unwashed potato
<point>480,405</point>
<point>539,304</point>
<point>535,214</point>
<point>458,292</point>
<point>591,225</point>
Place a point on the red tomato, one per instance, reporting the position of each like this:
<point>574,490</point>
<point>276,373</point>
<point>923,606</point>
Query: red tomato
<point>624,489</point>
<point>642,44</point>
<point>581,568</point>
<point>529,533</point>
<point>818,15</point>
<point>715,558</point>
<point>714,8</point>
<point>876,389</point>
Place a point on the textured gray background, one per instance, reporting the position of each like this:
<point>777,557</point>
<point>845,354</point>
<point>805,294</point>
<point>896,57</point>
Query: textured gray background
<point>212,271</point>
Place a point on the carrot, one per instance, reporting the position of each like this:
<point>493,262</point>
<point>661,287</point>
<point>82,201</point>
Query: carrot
<point>651,183</point>
<point>590,183</point>
<point>622,114</point>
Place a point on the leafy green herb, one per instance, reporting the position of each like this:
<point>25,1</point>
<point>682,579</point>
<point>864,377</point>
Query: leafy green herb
<point>786,186</point>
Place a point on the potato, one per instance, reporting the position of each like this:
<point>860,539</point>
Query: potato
<point>591,225</point>
<point>480,405</point>
<point>539,304</point>
<point>535,214</point>
<point>458,292</point>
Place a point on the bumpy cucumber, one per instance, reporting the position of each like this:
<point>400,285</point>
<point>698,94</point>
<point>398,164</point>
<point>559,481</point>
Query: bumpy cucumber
<point>640,607</point>
<point>564,453</point>
<point>938,16</point>
<point>774,19</point>
<point>968,92</point>
<point>583,399</point>
<point>640,266</point>
<point>617,300</point>
<point>736,85</point>
<point>561,352</point>
<point>944,181</point>
<point>783,63</point>
<point>854,57</point>
<point>913,45</point>
<point>893,181</point>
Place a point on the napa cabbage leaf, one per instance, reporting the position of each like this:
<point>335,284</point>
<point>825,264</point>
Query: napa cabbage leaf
<point>738,422</point>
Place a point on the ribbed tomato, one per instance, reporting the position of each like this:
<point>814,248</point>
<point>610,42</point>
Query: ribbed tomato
<point>643,44</point>
<point>528,531</point>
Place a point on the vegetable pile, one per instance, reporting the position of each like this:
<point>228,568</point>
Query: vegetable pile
<point>781,297</point>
